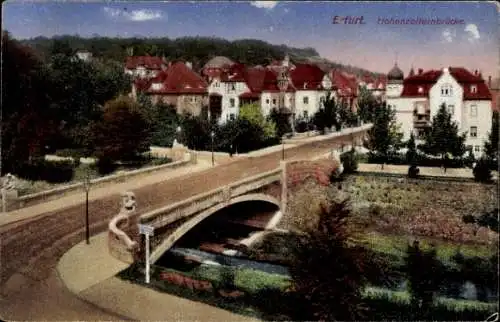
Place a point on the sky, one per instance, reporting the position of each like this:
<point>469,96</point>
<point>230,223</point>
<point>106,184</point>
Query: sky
<point>472,42</point>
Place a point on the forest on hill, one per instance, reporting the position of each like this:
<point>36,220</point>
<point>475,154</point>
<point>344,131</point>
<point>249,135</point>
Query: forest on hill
<point>197,50</point>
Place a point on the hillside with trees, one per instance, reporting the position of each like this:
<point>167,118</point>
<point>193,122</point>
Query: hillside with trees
<point>198,50</point>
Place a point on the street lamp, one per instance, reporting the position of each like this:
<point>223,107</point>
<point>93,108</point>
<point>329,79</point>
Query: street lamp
<point>283,147</point>
<point>212,135</point>
<point>179,130</point>
<point>86,185</point>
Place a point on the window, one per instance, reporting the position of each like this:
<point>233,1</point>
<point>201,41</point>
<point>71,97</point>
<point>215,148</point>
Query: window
<point>473,110</point>
<point>267,101</point>
<point>473,89</point>
<point>473,131</point>
<point>305,100</point>
<point>233,87</point>
<point>420,89</point>
<point>232,116</point>
<point>446,90</point>
<point>322,99</point>
<point>232,102</point>
<point>274,101</point>
<point>306,114</point>
<point>193,99</point>
<point>451,108</point>
<point>477,148</point>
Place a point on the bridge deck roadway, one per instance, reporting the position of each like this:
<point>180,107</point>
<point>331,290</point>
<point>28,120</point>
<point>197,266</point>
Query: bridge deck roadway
<point>30,249</point>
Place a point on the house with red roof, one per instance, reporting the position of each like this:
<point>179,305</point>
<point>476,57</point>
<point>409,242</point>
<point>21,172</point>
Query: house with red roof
<point>144,66</point>
<point>311,85</point>
<point>345,87</point>
<point>417,99</point>
<point>177,85</point>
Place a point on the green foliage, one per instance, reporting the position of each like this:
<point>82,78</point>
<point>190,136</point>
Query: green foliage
<point>122,134</point>
<point>411,154</point>
<point>29,123</point>
<point>196,132</point>
<point>491,146</point>
<point>482,172</point>
<point>50,171</point>
<point>329,266</point>
<point>281,122</point>
<point>252,113</point>
<point>349,161</point>
<point>424,273</point>
<point>367,105</point>
<point>328,115</point>
<point>384,138</point>
<point>162,119</point>
<point>442,138</point>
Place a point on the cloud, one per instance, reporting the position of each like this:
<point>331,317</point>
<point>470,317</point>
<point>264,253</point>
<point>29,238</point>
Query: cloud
<point>286,10</point>
<point>472,31</point>
<point>133,15</point>
<point>264,4</point>
<point>271,28</point>
<point>448,35</point>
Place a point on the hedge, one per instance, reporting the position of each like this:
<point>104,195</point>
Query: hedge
<point>50,171</point>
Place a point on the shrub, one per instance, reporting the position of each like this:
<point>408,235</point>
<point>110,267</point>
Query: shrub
<point>329,266</point>
<point>424,272</point>
<point>50,171</point>
<point>413,171</point>
<point>349,161</point>
<point>482,172</point>
<point>105,165</point>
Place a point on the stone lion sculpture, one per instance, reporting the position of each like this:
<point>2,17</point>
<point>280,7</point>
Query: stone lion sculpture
<point>128,206</point>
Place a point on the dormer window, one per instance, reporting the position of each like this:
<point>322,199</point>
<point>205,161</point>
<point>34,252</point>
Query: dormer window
<point>305,85</point>
<point>420,89</point>
<point>156,86</point>
<point>187,86</point>
<point>473,89</point>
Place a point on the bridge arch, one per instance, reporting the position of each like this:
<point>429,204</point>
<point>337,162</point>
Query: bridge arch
<point>190,224</point>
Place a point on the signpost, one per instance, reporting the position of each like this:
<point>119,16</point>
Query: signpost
<point>147,231</point>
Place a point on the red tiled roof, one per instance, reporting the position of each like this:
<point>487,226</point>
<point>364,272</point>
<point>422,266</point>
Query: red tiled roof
<point>427,79</point>
<point>148,62</point>
<point>307,77</point>
<point>177,79</point>
<point>234,73</point>
<point>345,84</point>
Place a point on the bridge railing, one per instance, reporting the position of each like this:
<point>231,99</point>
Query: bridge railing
<point>172,213</point>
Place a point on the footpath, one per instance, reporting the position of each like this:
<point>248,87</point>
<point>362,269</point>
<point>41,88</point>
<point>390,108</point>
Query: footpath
<point>89,272</point>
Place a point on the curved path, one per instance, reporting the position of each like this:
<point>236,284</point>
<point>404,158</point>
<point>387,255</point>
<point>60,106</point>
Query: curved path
<point>30,249</point>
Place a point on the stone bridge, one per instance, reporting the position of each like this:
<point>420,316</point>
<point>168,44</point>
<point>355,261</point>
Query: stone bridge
<point>173,221</point>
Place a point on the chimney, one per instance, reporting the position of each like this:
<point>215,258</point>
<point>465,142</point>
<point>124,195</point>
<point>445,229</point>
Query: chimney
<point>420,71</point>
<point>489,81</point>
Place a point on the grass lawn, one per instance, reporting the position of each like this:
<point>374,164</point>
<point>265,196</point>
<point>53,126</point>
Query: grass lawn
<point>396,245</point>
<point>385,302</point>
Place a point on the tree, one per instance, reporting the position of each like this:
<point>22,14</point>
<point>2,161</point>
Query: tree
<point>123,133</point>
<point>425,274</point>
<point>163,121</point>
<point>28,121</point>
<point>196,132</point>
<point>330,269</point>
<point>349,161</point>
<point>491,146</point>
<point>328,115</point>
<point>252,113</point>
<point>281,122</point>
<point>411,153</point>
<point>367,105</point>
<point>384,138</point>
<point>442,138</point>
<point>481,171</point>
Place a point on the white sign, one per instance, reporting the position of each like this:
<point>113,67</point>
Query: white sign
<point>146,230</point>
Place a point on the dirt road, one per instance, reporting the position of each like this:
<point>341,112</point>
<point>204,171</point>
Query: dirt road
<point>29,250</point>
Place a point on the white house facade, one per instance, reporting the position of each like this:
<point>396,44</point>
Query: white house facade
<point>418,98</point>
